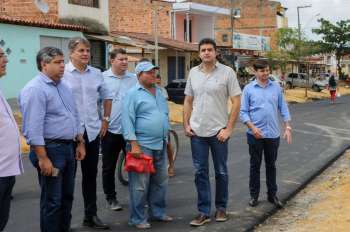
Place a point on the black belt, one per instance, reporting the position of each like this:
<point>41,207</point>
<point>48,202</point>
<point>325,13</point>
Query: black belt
<point>60,141</point>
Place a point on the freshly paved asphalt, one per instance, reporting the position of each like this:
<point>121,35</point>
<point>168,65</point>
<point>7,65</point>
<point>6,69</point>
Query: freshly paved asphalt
<point>321,133</point>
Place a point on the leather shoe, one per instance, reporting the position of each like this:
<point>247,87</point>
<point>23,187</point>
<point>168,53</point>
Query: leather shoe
<point>95,222</point>
<point>274,200</point>
<point>253,202</point>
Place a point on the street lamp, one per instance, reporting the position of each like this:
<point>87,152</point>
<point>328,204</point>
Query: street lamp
<point>299,47</point>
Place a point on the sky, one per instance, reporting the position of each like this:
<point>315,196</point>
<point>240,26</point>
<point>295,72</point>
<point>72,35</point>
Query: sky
<point>332,10</point>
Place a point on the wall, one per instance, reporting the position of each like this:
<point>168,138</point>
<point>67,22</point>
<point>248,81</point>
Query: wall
<point>70,10</point>
<point>24,43</point>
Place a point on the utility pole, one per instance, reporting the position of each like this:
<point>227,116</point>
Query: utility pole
<point>155,18</point>
<point>299,47</point>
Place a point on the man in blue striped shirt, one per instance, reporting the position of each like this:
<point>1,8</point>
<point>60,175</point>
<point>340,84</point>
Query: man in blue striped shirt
<point>262,103</point>
<point>50,125</point>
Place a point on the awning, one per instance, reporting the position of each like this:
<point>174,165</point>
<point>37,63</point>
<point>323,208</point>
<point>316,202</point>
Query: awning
<point>197,8</point>
<point>123,40</point>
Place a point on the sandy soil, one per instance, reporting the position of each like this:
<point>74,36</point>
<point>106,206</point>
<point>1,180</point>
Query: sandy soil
<point>323,206</point>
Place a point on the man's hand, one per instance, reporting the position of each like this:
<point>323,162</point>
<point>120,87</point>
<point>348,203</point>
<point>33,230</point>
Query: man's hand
<point>257,133</point>
<point>224,134</point>
<point>135,149</point>
<point>288,135</point>
<point>188,131</point>
<point>46,166</point>
<point>80,152</point>
<point>104,128</point>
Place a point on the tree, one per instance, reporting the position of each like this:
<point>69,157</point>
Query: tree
<point>335,38</point>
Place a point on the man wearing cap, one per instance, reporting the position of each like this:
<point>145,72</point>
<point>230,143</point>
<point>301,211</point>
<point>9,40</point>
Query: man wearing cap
<point>10,154</point>
<point>145,125</point>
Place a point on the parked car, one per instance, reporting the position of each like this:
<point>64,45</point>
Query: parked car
<point>176,90</point>
<point>303,80</point>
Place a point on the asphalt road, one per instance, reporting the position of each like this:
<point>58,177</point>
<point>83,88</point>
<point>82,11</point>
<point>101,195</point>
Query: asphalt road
<point>321,133</point>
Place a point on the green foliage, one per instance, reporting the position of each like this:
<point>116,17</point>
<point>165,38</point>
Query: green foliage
<point>92,25</point>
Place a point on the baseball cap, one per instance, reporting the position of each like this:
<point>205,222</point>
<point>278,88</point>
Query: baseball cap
<point>144,66</point>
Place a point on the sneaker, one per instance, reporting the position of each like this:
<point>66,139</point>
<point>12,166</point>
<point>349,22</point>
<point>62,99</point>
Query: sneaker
<point>221,216</point>
<point>113,204</point>
<point>253,202</point>
<point>200,220</point>
<point>143,226</point>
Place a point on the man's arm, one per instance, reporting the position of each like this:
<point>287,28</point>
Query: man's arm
<point>107,108</point>
<point>283,108</point>
<point>225,133</point>
<point>188,104</point>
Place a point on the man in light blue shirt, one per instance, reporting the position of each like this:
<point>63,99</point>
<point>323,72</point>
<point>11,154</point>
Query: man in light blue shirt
<point>118,80</point>
<point>262,103</point>
<point>51,125</point>
<point>145,125</point>
<point>88,88</point>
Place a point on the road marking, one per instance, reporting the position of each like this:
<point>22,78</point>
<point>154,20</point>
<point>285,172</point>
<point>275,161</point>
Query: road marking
<point>323,135</point>
<point>345,131</point>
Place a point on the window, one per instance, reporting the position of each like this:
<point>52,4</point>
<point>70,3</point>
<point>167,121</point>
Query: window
<point>225,38</point>
<point>88,3</point>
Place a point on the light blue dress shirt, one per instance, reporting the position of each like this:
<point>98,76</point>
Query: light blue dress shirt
<point>262,106</point>
<point>87,87</point>
<point>145,117</point>
<point>48,111</point>
<point>118,85</point>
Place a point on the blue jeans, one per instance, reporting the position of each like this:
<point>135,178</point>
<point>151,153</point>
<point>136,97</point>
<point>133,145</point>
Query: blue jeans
<point>257,147</point>
<point>200,153</point>
<point>56,192</point>
<point>145,188</point>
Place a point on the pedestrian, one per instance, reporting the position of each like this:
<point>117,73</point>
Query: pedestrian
<point>209,88</point>
<point>119,81</point>
<point>332,86</point>
<point>169,147</point>
<point>10,151</point>
<point>88,87</point>
<point>145,125</point>
<point>262,102</point>
<point>50,126</point>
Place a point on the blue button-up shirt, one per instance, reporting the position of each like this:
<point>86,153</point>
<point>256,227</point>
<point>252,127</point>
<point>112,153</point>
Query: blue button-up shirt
<point>10,148</point>
<point>88,88</point>
<point>262,105</point>
<point>145,117</point>
<point>48,111</point>
<point>118,85</point>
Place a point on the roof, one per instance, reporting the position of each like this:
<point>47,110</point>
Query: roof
<point>163,42</point>
<point>36,23</point>
<point>198,8</point>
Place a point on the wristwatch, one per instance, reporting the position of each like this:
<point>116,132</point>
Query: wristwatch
<point>106,118</point>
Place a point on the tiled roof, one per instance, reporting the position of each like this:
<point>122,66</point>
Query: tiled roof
<point>164,42</point>
<point>35,23</point>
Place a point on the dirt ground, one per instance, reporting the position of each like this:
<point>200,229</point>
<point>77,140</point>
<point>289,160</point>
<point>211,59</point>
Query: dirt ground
<point>323,206</point>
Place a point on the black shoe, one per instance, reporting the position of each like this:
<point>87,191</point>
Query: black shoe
<point>253,202</point>
<point>274,200</point>
<point>95,222</point>
<point>113,204</point>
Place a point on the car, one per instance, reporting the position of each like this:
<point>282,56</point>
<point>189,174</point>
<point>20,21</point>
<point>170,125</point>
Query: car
<point>176,90</point>
<point>302,80</point>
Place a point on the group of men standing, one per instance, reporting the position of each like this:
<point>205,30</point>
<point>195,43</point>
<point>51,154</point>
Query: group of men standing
<point>63,122</point>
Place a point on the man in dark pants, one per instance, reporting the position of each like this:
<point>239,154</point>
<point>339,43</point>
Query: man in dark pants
<point>262,101</point>
<point>119,81</point>
<point>10,152</point>
<point>50,125</point>
<point>88,88</point>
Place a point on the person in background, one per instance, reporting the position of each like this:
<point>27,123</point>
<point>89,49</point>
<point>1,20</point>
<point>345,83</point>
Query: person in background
<point>118,80</point>
<point>169,147</point>
<point>10,151</point>
<point>332,86</point>
<point>88,87</point>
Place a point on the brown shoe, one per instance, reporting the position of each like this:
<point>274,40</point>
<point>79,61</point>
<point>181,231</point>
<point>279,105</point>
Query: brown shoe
<point>200,220</point>
<point>221,216</point>
<point>171,171</point>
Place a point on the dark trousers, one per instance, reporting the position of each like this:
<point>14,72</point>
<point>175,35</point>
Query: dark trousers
<point>112,144</point>
<point>57,192</point>
<point>89,174</point>
<point>200,154</point>
<point>6,186</point>
<point>256,149</point>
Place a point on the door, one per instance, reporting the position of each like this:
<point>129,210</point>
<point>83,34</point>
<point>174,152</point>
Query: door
<point>172,68</point>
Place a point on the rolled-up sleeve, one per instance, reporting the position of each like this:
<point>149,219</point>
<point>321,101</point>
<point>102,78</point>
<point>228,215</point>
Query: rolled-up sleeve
<point>244,112</point>
<point>233,85</point>
<point>129,118</point>
<point>283,108</point>
<point>33,108</point>
<point>105,92</point>
<point>188,88</point>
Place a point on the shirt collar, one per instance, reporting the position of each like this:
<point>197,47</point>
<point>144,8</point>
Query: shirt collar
<point>255,83</point>
<point>46,79</point>
<point>110,73</point>
<point>200,67</point>
<point>70,67</point>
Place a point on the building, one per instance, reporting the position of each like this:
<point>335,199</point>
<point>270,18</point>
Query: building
<point>21,40</point>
